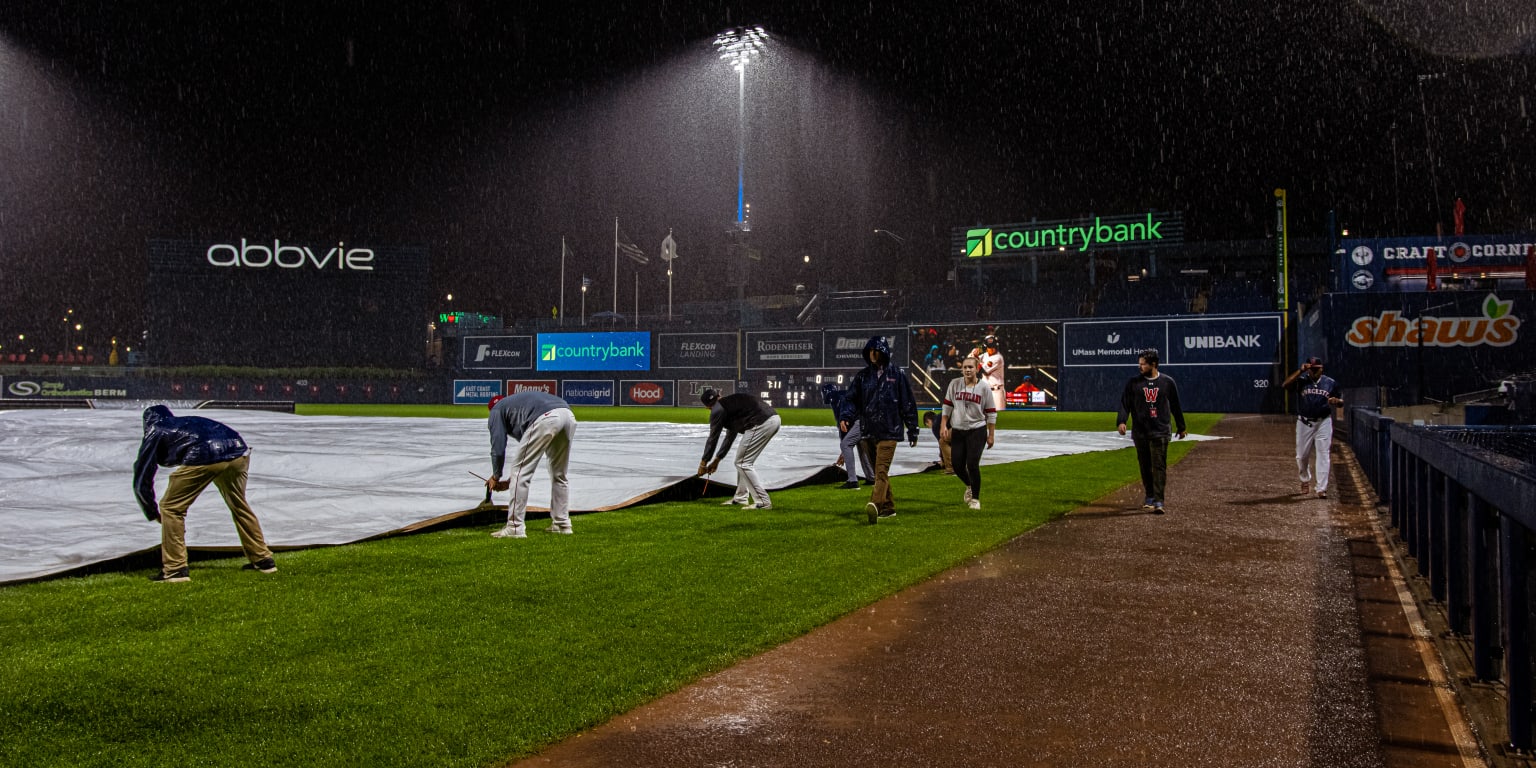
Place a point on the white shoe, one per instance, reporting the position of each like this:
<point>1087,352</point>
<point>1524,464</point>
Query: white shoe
<point>511,532</point>
<point>734,503</point>
<point>762,505</point>
<point>968,494</point>
<point>973,503</point>
<point>557,529</point>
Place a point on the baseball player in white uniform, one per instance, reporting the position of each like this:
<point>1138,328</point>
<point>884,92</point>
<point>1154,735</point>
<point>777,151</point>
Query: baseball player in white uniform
<point>992,372</point>
<point>1317,397</point>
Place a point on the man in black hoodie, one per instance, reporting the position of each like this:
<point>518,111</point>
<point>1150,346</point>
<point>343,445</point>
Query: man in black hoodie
<point>203,451</point>
<point>880,401</point>
<point>740,414</point>
<point>1151,401</point>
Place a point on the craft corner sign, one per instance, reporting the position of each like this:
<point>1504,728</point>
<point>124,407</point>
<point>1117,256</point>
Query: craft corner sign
<point>1141,230</point>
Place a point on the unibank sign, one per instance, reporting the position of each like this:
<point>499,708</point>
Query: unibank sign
<point>1077,235</point>
<point>261,256</point>
<point>1497,327</point>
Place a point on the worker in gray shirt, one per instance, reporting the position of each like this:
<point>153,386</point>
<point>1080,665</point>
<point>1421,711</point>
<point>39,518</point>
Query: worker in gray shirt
<point>542,425</point>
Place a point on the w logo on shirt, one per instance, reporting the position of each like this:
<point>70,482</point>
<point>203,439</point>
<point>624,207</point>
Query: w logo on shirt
<point>1151,394</point>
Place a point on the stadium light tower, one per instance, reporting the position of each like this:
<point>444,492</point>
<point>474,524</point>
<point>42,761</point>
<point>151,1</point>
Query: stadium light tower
<point>738,47</point>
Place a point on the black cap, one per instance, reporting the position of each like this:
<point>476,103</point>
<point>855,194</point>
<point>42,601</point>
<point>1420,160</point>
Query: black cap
<point>708,396</point>
<point>1314,361</point>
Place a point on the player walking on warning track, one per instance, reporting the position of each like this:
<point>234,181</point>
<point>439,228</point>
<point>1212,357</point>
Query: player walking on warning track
<point>203,451</point>
<point>542,425</point>
<point>739,414</point>
<point>1151,401</point>
<point>1317,396</point>
<point>969,421</point>
<point>880,400</point>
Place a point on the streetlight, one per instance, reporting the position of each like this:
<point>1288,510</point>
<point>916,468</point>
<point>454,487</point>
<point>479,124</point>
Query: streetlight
<point>738,47</point>
<point>584,283</point>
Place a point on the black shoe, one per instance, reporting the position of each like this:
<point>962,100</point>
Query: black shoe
<point>867,481</point>
<point>178,575</point>
<point>884,513</point>
<point>265,565</point>
<point>849,484</point>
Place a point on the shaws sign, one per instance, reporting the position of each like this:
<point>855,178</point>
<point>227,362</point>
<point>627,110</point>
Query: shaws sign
<point>1497,327</point>
<point>1099,233</point>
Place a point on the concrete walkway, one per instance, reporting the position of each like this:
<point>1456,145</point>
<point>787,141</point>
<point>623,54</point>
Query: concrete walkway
<point>1226,633</point>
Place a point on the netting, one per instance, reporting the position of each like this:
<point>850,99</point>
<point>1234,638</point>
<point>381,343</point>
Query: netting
<point>1517,444</point>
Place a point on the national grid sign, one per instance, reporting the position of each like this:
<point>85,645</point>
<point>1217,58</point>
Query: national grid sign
<point>1100,233</point>
<point>616,351</point>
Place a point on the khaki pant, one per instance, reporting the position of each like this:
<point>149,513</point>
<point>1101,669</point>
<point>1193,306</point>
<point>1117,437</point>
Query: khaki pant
<point>884,452</point>
<point>186,483</point>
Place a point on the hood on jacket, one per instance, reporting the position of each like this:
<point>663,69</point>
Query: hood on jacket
<point>154,415</point>
<point>882,350</point>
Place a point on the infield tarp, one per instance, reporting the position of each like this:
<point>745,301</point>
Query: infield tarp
<point>66,476</point>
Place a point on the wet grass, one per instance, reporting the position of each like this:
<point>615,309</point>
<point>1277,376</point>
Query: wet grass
<point>457,649</point>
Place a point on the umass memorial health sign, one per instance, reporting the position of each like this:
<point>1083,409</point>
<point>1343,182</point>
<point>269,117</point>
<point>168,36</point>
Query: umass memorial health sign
<point>1099,233</point>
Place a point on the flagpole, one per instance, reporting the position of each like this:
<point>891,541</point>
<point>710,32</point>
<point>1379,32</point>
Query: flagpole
<point>615,265</point>
<point>562,280</point>
<point>637,298</point>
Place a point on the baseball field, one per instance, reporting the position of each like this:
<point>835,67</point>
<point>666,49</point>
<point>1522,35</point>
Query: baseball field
<point>457,649</point>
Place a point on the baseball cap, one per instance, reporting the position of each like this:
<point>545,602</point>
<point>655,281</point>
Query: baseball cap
<point>1314,361</point>
<point>491,406</point>
<point>709,396</point>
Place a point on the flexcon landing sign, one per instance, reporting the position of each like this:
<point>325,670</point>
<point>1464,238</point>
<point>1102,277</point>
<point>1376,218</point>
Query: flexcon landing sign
<point>627,351</point>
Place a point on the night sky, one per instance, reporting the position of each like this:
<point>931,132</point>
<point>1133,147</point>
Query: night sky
<point>486,131</point>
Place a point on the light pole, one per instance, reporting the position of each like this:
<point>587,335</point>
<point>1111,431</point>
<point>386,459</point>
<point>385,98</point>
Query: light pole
<point>584,283</point>
<point>738,47</point>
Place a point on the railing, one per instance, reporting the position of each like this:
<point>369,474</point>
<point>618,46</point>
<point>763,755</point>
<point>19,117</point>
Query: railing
<point>1466,514</point>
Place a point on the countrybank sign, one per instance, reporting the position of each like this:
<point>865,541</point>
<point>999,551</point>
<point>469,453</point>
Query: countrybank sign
<point>626,351</point>
<point>1100,233</point>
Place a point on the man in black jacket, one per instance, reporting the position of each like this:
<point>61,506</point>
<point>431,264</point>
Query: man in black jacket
<point>203,451</point>
<point>880,401</point>
<point>1151,401</point>
<point>739,414</point>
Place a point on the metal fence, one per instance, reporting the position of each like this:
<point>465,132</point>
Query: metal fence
<point>1463,502</point>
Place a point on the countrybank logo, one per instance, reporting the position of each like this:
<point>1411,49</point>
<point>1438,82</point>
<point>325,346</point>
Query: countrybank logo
<point>619,351</point>
<point>978,243</point>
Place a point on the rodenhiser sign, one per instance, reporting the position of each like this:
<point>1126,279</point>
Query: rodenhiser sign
<point>498,353</point>
<point>626,351</point>
<point>1100,233</point>
<point>783,350</point>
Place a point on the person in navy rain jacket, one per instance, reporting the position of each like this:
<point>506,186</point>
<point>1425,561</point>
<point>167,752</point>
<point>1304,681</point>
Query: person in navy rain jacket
<point>880,401</point>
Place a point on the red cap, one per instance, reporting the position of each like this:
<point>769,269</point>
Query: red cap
<point>492,404</point>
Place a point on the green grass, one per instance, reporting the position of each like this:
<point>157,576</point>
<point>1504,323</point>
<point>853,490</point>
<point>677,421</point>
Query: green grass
<point>457,649</point>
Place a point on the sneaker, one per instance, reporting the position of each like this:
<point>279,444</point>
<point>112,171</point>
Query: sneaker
<point>1305,489</point>
<point>762,505</point>
<point>734,503</point>
<point>178,575</point>
<point>265,565</point>
<point>1322,494</point>
<point>973,503</point>
<point>849,484</point>
<point>968,495</point>
<point>872,512</point>
<point>1157,507</point>
<point>558,529</point>
<point>1147,504</point>
<point>887,513</point>
<point>868,481</point>
<point>511,532</point>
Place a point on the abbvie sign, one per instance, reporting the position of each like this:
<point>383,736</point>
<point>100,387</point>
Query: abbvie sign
<point>261,256</point>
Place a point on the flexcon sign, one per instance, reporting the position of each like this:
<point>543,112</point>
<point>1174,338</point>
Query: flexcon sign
<point>627,351</point>
<point>1497,327</point>
<point>1079,235</point>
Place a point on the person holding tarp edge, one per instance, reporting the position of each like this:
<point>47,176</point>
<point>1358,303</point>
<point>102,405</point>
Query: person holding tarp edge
<point>739,414</point>
<point>1317,396</point>
<point>543,425</point>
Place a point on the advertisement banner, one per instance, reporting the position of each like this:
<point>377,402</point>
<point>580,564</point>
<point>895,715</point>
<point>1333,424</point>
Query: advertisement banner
<point>647,392</point>
<point>475,391</point>
<point>589,392</point>
<point>483,353</point>
<point>1380,265</point>
<point>845,348</point>
<point>547,386</point>
<point>611,351</point>
<point>784,350</point>
<point>42,388</point>
<point>1114,343</point>
<point>689,390</point>
<point>1078,236</point>
<point>1223,341</point>
<point>699,351</point>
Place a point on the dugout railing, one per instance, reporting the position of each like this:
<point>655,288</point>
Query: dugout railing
<point>1462,502</point>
